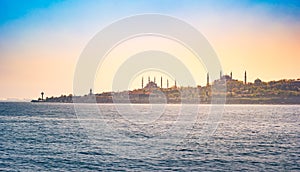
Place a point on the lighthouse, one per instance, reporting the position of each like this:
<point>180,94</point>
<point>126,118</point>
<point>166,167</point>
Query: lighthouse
<point>42,93</point>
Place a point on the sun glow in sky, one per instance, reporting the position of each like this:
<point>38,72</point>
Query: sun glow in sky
<point>41,41</point>
<point>116,58</point>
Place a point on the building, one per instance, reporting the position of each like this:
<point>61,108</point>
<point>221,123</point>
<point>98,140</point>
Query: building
<point>226,78</point>
<point>151,85</point>
<point>257,82</point>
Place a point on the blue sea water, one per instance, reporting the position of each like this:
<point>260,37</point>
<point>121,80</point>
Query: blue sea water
<point>87,137</point>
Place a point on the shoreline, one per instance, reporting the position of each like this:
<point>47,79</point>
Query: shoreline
<point>228,102</point>
<point>262,103</point>
<point>159,100</point>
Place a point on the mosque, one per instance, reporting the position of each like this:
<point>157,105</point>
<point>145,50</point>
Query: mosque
<point>153,84</point>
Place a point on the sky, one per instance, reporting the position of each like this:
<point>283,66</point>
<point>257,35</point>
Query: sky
<point>41,41</point>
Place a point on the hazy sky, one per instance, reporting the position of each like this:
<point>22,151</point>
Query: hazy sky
<point>40,40</point>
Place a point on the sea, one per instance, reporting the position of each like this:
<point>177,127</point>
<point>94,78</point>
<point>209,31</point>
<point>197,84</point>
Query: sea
<point>149,137</point>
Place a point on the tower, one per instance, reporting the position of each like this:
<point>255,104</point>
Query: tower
<point>245,79</point>
<point>154,80</point>
<point>207,79</point>
<point>42,93</point>
<point>91,92</point>
<point>148,79</point>
<point>175,84</point>
<point>167,83</point>
<point>161,82</point>
<point>220,74</point>
<point>230,75</point>
<point>142,82</point>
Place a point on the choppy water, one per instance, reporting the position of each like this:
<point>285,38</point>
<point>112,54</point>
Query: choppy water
<point>52,137</point>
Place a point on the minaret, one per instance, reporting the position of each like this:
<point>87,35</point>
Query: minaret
<point>207,79</point>
<point>148,79</point>
<point>161,82</point>
<point>220,74</point>
<point>245,77</point>
<point>175,84</point>
<point>231,75</point>
<point>142,82</point>
<point>42,93</point>
<point>154,80</point>
<point>167,83</point>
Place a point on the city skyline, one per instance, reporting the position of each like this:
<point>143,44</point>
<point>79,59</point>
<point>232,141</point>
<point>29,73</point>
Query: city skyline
<point>41,41</point>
